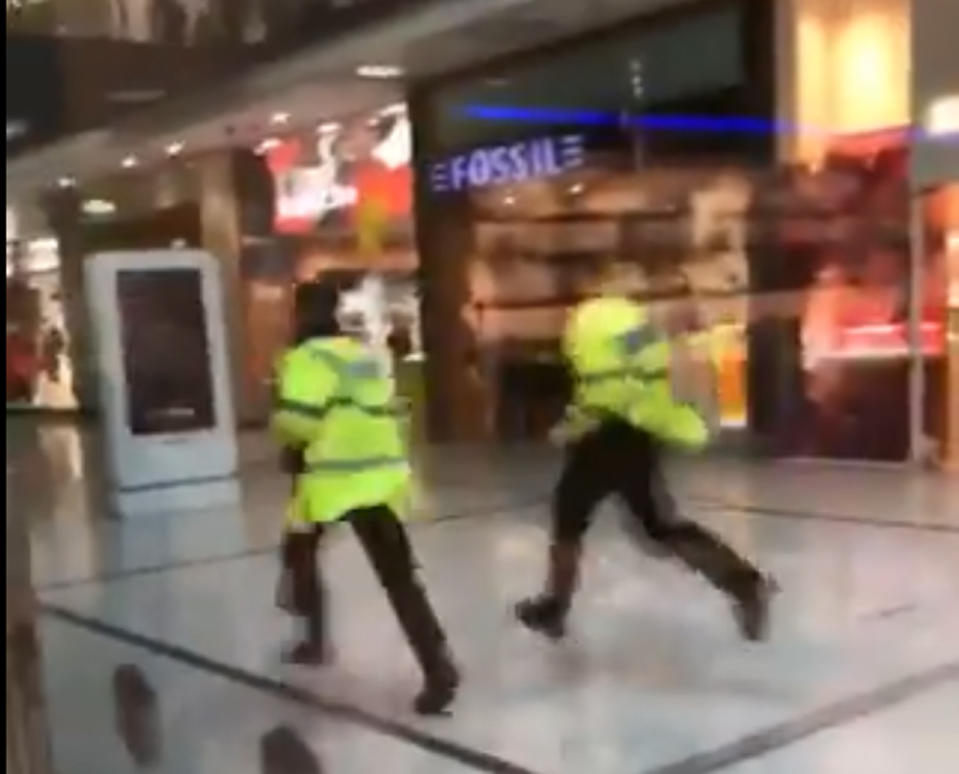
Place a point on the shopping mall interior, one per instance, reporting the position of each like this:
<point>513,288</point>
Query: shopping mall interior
<point>779,179</point>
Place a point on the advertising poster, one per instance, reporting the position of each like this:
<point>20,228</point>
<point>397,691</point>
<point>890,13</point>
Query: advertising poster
<point>166,360</point>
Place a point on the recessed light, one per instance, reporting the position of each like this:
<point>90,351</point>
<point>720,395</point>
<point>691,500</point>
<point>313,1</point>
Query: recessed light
<point>942,117</point>
<point>280,118</point>
<point>328,127</point>
<point>174,148</point>
<point>379,71</point>
<point>509,200</point>
<point>577,188</point>
<point>267,144</point>
<point>66,182</point>
<point>98,207</point>
<point>129,162</point>
<point>396,109</point>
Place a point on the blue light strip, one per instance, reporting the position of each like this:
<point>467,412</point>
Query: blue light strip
<point>663,121</point>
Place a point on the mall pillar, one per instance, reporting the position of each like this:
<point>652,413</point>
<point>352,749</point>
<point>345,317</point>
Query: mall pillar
<point>221,235</point>
<point>455,404</point>
<point>63,211</point>
<point>934,167</point>
<point>455,400</point>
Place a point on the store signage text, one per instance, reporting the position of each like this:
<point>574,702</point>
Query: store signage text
<point>513,163</point>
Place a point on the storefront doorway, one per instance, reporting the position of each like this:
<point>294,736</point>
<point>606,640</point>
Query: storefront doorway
<point>940,321</point>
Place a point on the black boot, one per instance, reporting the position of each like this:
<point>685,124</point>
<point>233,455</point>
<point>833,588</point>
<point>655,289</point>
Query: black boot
<point>727,571</point>
<point>441,678</point>
<point>301,592</point>
<point>440,684</point>
<point>751,608</point>
<point>543,614</point>
<point>313,649</point>
<point>546,613</point>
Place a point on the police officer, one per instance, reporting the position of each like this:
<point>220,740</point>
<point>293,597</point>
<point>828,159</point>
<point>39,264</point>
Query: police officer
<point>335,406</point>
<point>622,414</point>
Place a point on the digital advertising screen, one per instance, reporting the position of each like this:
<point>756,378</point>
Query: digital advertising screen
<point>166,357</point>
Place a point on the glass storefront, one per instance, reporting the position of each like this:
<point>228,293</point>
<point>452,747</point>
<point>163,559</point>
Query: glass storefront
<point>39,371</point>
<point>617,162</point>
<point>334,197</point>
<point>940,293</point>
<point>341,200</point>
<point>608,164</point>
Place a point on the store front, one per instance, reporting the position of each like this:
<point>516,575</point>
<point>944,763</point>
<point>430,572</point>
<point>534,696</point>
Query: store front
<point>340,199</point>
<point>299,204</point>
<point>39,368</point>
<point>616,161</point>
<point>782,208</point>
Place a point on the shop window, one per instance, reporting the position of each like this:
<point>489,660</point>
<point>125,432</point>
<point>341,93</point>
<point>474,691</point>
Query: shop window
<point>39,369</point>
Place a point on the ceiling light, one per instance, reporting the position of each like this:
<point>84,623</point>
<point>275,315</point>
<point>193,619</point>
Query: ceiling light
<point>379,71</point>
<point>16,128</point>
<point>135,96</point>
<point>509,200</point>
<point>267,144</point>
<point>328,127</point>
<point>42,243</point>
<point>98,207</point>
<point>396,109</point>
<point>174,148</point>
<point>280,118</point>
<point>129,162</point>
<point>942,117</point>
<point>576,189</point>
<point>66,182</point>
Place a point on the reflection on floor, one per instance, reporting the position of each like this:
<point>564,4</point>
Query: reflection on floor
<point>169,659</point>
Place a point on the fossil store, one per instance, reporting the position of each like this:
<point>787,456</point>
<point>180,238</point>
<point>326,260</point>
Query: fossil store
<point>618,160</point>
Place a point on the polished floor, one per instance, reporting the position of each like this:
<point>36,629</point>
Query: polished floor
<point>161,641</point>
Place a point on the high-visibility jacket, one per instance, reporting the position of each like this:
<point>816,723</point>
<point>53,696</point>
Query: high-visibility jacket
<point>335,401</point>
<point>620,368</point>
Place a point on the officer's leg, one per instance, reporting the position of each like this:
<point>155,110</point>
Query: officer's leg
<point>305,594</point>
<point>645,491</point>
<point>386,544</point>
<point>582,485</point>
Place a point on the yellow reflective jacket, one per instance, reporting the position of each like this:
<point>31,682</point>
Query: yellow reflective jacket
<point>335,401</point>
<point>621,368</point>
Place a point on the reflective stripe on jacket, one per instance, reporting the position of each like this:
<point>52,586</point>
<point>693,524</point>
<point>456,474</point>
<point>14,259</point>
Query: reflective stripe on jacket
<point>334,401</point>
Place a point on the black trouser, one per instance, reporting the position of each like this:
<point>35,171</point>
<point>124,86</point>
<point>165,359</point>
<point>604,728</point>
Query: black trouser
<point>619,458</point>
<point>386,545</point>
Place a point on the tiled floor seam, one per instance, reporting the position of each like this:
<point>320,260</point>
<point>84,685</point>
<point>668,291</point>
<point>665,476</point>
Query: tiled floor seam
<point>757,744</point>
<point>468,756</point>
<point>841,518</point>
<point>835,715</point>
<point>182,564</point>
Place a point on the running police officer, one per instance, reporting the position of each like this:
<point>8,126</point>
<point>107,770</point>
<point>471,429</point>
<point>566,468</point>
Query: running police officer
<point>622,415</point>
<point>335,406</point>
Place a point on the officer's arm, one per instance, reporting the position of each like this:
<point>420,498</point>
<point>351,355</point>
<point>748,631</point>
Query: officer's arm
<point>303,392</point>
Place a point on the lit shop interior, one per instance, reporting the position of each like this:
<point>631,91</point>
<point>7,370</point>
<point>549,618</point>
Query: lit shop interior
<point>620,161</point>
<point>341,201</point>
<point>39,369</point>
<point>304,200</point>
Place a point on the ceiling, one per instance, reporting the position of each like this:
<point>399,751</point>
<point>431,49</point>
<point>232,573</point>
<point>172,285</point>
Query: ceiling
<point>319,83</point>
